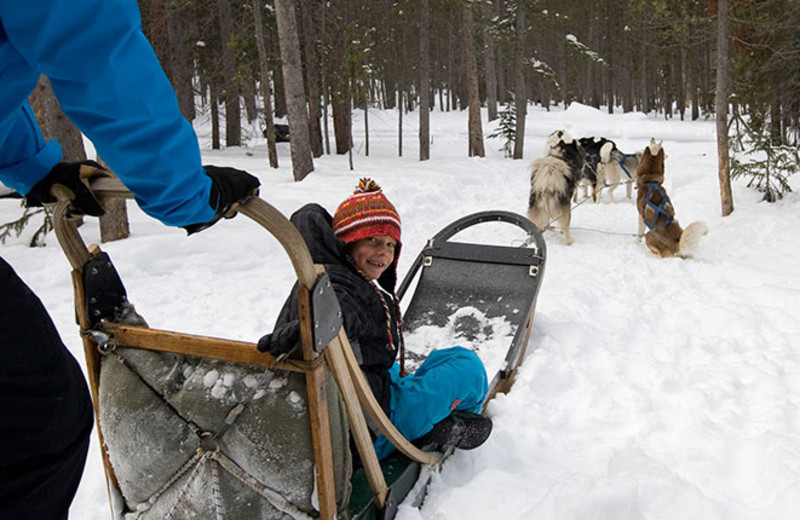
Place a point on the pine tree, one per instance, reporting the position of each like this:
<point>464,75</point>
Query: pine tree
<point>506,128</point>
<point>16,227</point>
<point>769,166</point>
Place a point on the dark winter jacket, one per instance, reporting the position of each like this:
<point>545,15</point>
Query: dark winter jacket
<point>363,311</point>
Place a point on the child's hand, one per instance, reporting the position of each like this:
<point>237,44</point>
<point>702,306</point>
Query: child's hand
<point>281,340</point>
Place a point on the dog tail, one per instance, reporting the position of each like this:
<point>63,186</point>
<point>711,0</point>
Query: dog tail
<point>690,238</point>
<point>606,152</point>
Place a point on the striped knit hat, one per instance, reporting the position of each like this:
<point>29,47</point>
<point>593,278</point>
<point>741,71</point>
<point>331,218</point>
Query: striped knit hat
<point>366,213</point>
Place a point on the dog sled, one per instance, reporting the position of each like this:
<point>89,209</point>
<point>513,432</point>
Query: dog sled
<point>274,441</point>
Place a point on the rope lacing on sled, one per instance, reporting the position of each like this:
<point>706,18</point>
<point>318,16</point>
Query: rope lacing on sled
<point>659,209</point>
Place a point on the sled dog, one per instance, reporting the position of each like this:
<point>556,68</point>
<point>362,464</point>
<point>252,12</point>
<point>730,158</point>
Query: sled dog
<point>665,237</point>
<point>616,168</point>
<point>554,138</point>
<point>589,179</point>
<point>552,184</point>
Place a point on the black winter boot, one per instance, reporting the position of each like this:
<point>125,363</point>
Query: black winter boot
<point>462,430</point>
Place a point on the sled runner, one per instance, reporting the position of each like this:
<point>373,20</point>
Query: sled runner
<point>199,427</point>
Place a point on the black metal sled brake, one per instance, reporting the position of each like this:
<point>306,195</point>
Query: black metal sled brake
<point>280,444</point>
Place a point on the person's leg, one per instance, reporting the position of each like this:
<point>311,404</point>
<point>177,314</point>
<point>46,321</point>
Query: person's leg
<point>45,409</point>
<point>449,379</point>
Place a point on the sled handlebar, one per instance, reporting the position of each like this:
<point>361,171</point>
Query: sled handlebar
<point>253,207</point>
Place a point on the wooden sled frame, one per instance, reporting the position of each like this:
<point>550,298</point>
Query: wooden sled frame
<point>331,345</point>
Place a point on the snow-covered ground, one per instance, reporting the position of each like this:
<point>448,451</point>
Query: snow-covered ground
<point>652,388</point>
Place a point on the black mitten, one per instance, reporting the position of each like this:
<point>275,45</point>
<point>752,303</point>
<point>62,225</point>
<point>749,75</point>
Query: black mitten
<point>75,176</point>
<point>281,340</point>
<point>228,186</point>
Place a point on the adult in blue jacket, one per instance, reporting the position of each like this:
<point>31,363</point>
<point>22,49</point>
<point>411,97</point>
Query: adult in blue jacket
<point>109,83</point>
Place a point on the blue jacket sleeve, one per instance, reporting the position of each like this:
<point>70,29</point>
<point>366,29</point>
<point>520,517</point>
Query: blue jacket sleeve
<point>109,83</point>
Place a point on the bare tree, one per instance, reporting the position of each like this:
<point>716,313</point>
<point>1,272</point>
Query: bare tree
<point>424,82</point>
<point>471,66</point>
<point>312,77</point>
<point>233,128</point>
<point>180,62</point>
<point>338,74</point>
<point>289,42</point>
<point>266,94</point>
<point>488,58</point>
<point>520,95</point>
<point>723,86</point>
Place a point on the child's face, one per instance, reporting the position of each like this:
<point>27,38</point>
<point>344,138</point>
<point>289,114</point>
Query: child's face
<point>373,255</point>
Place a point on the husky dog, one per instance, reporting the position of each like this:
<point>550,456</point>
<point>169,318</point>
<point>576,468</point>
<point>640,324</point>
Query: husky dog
<point>617,167</point>
<point>554,138</point>
<point>552,184</point>
<point>589,177</point>
<point>665,237</point>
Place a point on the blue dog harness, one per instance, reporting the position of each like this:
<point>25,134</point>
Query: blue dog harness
<point>622,164</point>
<point>658,209</point>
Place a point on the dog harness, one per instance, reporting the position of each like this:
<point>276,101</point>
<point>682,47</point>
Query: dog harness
<point>622,164</point>
<point>658,209</point>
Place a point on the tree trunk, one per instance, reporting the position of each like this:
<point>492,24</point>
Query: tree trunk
<point>312,78</point>
<point>54,123</point>
<point>214,104</point>
<point>233,127</point>
<point>610,57</point>
<point>302,161</point>
<point>249,99</point>
<point>181,64</point>
<point>326,91</point>
<point>266,94</point>
<point>471,70</point>
<point>114,222</point>
<point>424,82</point>
<point>399,122</point>
<point>339,92</point>
<point>723,87</point>
<point>490,73</point>
<point>278,85</point>
<point>520,96</point>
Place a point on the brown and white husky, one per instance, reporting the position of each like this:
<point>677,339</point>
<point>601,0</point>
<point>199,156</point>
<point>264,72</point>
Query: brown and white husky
<point>665,237</point>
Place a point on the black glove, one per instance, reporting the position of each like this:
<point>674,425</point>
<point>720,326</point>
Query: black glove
<point>228,186</point>
<point>75,176</point>
<point>281,340</point>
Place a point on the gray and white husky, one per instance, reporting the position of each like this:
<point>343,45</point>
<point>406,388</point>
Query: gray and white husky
<point>617,167</point>
<point>553,178</point>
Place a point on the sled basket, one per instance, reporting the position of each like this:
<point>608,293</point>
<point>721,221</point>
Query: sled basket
<point>495,281</point>
<point>199,427</point>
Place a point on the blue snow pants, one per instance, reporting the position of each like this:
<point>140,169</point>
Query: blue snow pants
<point>449,379</point>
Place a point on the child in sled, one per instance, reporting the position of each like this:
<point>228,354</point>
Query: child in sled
<point>359,246</point>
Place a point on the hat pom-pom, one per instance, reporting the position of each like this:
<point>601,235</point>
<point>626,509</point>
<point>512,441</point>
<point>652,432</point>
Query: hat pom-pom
<point>367,185</point>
